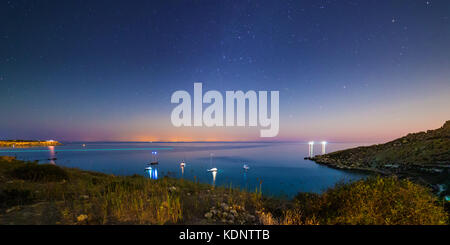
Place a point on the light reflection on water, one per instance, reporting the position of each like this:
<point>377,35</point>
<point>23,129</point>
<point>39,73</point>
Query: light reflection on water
<point>214,173</point>
<point>52,152</point>
<point>280,167</point>
<point>152,173</point>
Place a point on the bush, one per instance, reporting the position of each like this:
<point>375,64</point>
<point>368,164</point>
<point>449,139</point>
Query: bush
<point>39,173</point>
<point>11,197</point>
<point>374,201</point>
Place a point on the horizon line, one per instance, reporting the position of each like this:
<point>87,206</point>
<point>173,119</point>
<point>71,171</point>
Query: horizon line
<point>200,141</point>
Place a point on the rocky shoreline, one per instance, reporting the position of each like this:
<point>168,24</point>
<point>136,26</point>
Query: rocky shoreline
<point>435,178</point>
<point>332,163</point>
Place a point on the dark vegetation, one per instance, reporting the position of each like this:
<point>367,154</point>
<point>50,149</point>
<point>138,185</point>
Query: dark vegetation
<point>39,173</point>
<point>373,201</point>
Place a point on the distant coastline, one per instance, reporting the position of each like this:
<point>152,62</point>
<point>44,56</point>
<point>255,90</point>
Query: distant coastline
<point>28,143</point>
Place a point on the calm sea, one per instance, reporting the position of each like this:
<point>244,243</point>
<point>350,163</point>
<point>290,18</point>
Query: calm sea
<point>278,167</point>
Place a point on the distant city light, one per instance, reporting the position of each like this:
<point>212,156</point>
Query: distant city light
<point>311,148</point>
<point>324,143</point>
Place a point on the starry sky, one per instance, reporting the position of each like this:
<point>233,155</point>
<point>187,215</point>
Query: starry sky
<point>347,71</point>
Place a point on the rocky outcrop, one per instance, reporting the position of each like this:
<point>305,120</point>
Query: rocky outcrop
<point>227,214</point>
<point>423,155</point>
<point>425,149</point>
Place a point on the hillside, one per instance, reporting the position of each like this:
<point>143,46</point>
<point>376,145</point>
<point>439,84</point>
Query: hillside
<point>424,156</point>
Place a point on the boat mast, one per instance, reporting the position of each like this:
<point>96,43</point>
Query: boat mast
<point>210,159</point>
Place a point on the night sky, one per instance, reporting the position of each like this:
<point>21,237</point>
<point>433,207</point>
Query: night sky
<point>362,71</point>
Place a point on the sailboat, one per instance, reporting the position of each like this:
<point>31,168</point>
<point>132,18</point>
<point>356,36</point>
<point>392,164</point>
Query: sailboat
<point>210,163</point>
<point>246,167</point>
<point>154,158</point>
<point>182,165</point>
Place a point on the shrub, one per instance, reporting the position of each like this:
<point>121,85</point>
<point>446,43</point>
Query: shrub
<point>373,201</point>
<point>11,197</point>
<point>40,173</point>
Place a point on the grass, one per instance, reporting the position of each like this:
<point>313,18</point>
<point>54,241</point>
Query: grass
<point>374,201</point>
<point>84,197</point>
<point>32,193</point>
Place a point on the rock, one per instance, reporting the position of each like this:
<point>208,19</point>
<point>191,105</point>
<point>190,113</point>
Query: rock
<point>38,204</point>
<point>233,212</point>
<point>251,217</point>
<point>208,215</point>
<point>9,210</point>
<point>85,197</point>
<point>82,217</point>
<point>172,188</point>
<point>7,158</point>
<point>224,206</point>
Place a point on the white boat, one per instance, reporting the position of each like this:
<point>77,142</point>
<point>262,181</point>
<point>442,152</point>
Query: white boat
<point>182,164</point>
<point>212,170</point>
<point>246,167</point>
<point>148,168</point>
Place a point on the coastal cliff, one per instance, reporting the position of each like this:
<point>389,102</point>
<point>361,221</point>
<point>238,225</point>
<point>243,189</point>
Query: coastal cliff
<point>424,156</point>
<point>27,143</point>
